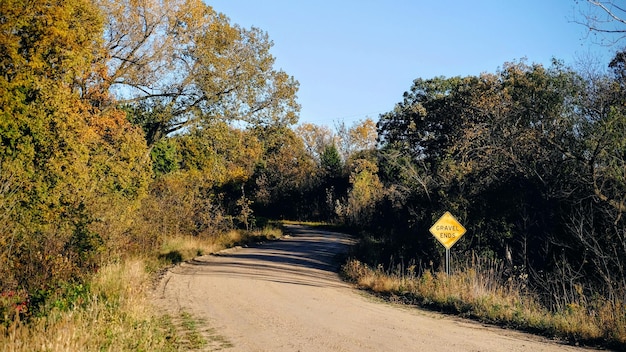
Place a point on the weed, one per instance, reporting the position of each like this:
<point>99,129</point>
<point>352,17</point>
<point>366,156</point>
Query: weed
<point>191,331</point>
<point>110,311</point>
<point>114,314</point>
<point>478,292</point>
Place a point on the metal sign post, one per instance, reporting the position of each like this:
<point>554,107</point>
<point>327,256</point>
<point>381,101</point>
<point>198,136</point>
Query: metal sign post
<point>447,261</point>
<point>447,230</point>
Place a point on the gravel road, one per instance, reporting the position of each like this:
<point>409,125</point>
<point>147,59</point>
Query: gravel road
<point>286,295</point>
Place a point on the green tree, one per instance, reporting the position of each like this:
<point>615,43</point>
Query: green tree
<point>531,159</point>
<point>165,158</point>
<point>489,149</point>
<point>330,161</point>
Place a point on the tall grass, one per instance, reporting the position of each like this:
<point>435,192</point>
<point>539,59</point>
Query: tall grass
<point>114,316</point>
<point>112,311</point>
<point>480,292</point>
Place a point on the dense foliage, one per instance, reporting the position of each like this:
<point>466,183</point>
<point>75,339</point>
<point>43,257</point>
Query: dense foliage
<point>63,160</point>
<point>122,122</point>
<point>530,159</point>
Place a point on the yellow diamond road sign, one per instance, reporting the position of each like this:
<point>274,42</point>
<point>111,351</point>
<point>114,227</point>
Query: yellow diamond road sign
<point>447,230</point>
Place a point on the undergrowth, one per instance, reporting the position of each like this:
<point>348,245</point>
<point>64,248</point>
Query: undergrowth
<point>477,292</point>
<point>112,311</point>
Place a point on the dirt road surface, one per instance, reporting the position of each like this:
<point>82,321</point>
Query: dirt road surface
<point>286,295</point>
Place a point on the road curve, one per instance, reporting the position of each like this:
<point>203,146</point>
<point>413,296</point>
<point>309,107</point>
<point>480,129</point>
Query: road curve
<point>286,295</point>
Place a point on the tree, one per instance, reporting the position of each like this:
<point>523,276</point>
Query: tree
<point>490,148</point>
<point>598,220</point>
<point>607,18</point>
<point>285,175</point>
<point>315,138</point>
<point>78,167</point>
<point>179,64</point>
<point>330,162</point>
<point>43,134</point>
<point>363,135</point>
<point>365,192</point>
<point>530,158</point>
<point>218,154</point>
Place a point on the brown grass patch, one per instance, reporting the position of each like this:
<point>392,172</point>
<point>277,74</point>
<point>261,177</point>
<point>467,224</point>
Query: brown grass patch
<point>478,293</point>
<point>114,312</point>
<point>116,317</point>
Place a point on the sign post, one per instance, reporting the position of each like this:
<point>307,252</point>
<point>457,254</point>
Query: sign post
<point>447,230</point>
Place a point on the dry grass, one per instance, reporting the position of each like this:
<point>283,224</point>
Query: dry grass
<point>114,313</point>
<point>181,248</point>
<point>477,293</point>
<point>116,316</point>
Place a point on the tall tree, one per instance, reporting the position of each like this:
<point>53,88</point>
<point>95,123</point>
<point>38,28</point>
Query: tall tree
<point>219,154</point>
<point>491,148</point>
<point>330,162</point>
<point>69,162</point>
<point>606,18</point>
<point>179,63</point>
<point>315,138</point>
<point>363,135</point>
<point>284,174</point>
<point>358,137</point>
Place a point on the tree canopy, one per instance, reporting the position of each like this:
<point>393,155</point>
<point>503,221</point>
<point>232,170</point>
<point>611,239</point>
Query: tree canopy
<point>125,121</point>
<point>61,158</point>
<point>604,17</point>
<point>531,159</point>
<point>117,117</point>
<point>179,64</point>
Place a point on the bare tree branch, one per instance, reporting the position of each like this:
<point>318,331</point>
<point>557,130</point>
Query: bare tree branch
<point>613,26</point>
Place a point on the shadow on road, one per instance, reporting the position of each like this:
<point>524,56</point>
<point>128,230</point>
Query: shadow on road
<point>306,256</point>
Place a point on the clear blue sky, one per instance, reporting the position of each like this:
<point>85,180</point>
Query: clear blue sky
<point>355,59</point>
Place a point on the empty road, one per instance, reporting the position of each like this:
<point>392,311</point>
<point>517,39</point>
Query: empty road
<point>286,295</point>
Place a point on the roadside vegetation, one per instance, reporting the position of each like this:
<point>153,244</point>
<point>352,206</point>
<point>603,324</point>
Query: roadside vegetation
<point>532,161</point>
<point>480,291</point>
<point>136,135</point>
<point>112,310</point>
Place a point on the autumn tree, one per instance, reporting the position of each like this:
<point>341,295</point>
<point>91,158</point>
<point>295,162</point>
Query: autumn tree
<point>285,177</point>
<point>363,195</point>
<point>331,150</point>
<point>219,153</point>
<point>43,135</point>
<point>358,137</point>
<point>179,64</point>
<point>70,168</point>
<point>315,138</point>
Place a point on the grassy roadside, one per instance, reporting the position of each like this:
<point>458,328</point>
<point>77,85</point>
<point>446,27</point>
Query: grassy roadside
<point>475,292</point>
<point>113,312</point>
<point>478,291</point>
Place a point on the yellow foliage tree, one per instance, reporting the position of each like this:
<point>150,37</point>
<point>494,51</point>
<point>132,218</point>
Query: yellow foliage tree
<point>180,64</point>
<point>366,190</point>
<point>64,162</point>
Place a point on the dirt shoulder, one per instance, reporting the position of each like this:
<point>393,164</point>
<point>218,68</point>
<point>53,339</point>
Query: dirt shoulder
<point>286,295</point>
